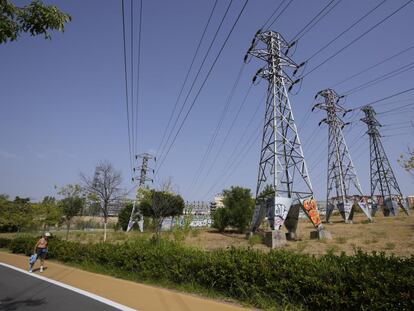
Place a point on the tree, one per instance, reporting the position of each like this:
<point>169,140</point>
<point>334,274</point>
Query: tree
<point>221,219</point>
<point>407,162</point>
<point>72,204</point>
<point>237,211</point>
<point>7,212</point>
<point>34,18</point>
<point>49,212</point>
<point>161,204</point>
<point>16,215</point>
<point>104,187</point>
<point>23,213</point>
<point>124,215</point>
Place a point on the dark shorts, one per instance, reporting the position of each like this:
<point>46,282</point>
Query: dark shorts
<point>41,252</point>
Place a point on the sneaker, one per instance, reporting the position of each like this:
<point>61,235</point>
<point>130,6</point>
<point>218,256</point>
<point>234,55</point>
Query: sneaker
<point>30,270</point>
<point>41,269</point>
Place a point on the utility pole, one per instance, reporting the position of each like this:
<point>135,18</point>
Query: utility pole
<point>341,171</point>
<point>381,173</point>
<point>142,179</point>
<point>283,183</point>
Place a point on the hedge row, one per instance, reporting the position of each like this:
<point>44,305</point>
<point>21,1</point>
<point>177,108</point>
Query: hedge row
<point>266,280</point>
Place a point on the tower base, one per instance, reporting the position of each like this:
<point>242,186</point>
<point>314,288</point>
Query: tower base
<point>320,235</point>
<point>275,239</point>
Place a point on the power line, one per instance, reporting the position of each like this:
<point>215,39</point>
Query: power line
<point>396,109</point>
<point>126,85</point>
<point>274,12</point>
<point>187,74</point>
<point>385,98</point>
<point>373,66</point>
<point>358,38</point>
<point>218,127</point>
<point>346,30</point>
<point>381,78</point>
<point>195,78</point>
<point>281,12</point>
<point>237,161</point>
<point>225,137</point>
<point>303,31</point>
<point>236,148</point>
<point>138,77</point>
<point>132,77</point>
<point>204,82</point>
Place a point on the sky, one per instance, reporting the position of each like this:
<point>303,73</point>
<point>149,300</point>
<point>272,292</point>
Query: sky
<point>63,103</point>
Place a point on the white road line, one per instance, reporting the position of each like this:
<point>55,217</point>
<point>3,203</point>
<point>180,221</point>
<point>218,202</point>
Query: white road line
<point>74,289</point>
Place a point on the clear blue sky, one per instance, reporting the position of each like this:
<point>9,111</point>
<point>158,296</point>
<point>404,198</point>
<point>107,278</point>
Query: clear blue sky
<point>62,102</point>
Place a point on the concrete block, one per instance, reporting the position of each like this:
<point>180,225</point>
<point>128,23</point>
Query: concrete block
<point>291,236</point>
<point>275,239</point>
<point>320,234</point>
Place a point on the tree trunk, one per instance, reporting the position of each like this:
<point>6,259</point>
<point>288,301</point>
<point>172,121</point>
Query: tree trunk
<point>105,221</point>
<point>67,229</point>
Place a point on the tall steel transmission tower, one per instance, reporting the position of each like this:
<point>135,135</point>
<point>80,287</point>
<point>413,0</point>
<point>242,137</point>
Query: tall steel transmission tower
<point>283,182</point>
<point>381,173</point>
<point>342,176</point>
<point>136,215</point>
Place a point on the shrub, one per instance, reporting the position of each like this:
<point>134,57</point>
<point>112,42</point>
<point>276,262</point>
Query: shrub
<point>221,219</point>
<point>255,239</point>
<point>363,281</point>
<point>4,242</point>
<point>124,215</point>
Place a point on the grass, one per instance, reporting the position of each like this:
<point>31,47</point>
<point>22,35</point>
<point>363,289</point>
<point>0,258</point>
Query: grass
<point>371,241</point>
<point>332,249</point>
<point>301,246</point>
<point>395,230</point>
<point>389,246</point>
<point>255,239</point>
<point>381,234</point>
<point>341,239</point>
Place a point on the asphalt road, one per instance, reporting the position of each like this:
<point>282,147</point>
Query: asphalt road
<point>19,291</point>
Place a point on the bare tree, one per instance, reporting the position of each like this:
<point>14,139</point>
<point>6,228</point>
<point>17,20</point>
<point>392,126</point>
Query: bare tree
<point>104,187</point>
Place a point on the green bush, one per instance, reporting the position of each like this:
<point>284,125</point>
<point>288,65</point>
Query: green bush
<point>4,242</point>
<point>363,281</point>
<point>237,211</point>
<point>221,219</point>
<point>124,215</point>
<point>23,245</point>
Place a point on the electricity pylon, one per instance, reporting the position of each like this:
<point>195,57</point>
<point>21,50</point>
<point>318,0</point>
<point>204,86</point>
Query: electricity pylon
<point>381,173</point>
<point>142,179</point>
<point>283,182</point>
<point>341,171</point>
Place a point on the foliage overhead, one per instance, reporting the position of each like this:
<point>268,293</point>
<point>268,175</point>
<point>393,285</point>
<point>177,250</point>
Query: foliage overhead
<point>34,18</point>
<point>407,161</point>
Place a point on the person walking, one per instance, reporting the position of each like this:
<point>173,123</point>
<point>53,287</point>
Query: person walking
<point>40,250</point>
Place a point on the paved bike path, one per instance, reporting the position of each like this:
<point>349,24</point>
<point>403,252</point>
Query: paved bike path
<point>130,294</point>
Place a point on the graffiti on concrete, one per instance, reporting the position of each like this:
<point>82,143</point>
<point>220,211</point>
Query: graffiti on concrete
<point>309,205</point>
<point>278,212</point>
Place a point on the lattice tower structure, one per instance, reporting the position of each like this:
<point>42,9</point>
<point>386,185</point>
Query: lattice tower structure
<point>343,186</point>
<point>385,190</point>
<point>283,174</point>
<point>142,180</point>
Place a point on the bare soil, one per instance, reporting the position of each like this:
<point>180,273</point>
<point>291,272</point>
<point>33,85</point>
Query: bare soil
<point>392,235</point>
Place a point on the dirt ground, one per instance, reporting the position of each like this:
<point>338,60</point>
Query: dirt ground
<point>392,235</point>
